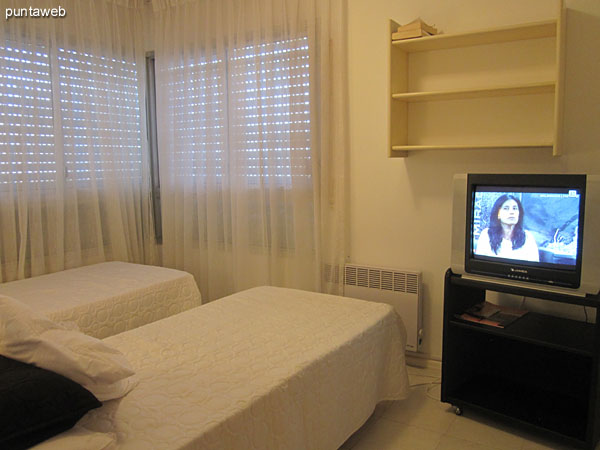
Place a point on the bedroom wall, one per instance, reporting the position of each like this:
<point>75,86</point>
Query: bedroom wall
<point>401,208</point>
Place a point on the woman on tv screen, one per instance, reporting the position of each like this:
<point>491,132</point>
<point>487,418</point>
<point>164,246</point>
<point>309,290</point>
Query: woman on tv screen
<point>505,237</point>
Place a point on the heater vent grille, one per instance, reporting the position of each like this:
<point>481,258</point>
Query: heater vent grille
<point>389,280</point>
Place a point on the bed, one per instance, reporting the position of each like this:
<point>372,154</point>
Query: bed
<point>266,368</point>
<point>108,298</point>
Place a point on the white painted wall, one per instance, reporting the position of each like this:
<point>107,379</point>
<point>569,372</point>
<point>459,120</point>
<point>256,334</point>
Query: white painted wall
<point>401,208</point>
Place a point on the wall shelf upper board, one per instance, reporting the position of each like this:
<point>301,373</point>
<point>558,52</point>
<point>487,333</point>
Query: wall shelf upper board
<point>534,30</point>
<point>486,89</point>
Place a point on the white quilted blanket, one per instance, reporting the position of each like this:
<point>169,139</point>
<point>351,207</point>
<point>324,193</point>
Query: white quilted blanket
<point>108,298</point>
<point>267,368</point>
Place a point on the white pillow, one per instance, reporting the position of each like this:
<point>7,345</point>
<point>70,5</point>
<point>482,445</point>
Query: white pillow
<point>31,337</point>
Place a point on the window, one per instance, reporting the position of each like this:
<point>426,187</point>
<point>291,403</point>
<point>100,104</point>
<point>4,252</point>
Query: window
<point>67,114</point>
<point>243,115</point>
<point>252,105</point>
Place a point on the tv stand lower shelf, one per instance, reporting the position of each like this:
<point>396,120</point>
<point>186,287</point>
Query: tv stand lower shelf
<point>541,372</point>
<point>545,410</point>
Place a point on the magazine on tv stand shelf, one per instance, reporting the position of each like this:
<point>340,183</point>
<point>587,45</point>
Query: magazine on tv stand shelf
<point>487,313</point>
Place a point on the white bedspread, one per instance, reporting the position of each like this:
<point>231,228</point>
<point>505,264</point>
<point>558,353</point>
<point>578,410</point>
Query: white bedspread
<point>267,368</point>
<point>108,298</point>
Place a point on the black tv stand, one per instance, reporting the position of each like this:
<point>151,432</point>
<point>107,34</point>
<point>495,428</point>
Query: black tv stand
<point>540,372</point>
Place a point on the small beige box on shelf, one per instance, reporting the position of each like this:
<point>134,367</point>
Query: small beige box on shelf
<point>416,28</point>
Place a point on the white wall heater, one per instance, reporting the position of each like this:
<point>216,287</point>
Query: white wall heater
<point>399,288</point>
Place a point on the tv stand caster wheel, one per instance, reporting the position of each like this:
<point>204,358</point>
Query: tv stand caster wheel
<point>458,411</point>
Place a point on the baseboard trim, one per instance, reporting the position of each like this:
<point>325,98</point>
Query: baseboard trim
<point>423,362</point>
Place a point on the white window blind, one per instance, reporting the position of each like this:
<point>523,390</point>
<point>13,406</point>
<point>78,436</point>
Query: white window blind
<point>26,117</point>
<point>97,116</point>
<point>100,110</point>
<point>252,105</point>
<point>269,86</point>
<point>198,97</point>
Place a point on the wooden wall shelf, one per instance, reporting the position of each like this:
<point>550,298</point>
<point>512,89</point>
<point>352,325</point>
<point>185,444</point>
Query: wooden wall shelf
<point>485,89</point>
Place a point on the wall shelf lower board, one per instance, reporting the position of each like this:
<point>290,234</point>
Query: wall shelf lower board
<point>416,148</point>
<point>499,88</point>
<point>460,94</point>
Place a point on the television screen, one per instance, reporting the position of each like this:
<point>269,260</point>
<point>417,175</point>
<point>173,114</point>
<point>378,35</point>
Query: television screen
<point>537,231</point>
<point>535,226</point>
<point>525,227</point>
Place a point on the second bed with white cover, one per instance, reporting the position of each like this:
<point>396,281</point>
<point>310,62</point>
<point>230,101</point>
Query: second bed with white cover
<point>107,298</point>
<point>266,368</point>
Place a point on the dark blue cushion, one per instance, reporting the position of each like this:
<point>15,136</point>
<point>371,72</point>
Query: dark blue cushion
<point>36,404</point>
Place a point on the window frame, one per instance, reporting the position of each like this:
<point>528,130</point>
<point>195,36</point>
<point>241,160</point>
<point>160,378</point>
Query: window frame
<point>152,136</point>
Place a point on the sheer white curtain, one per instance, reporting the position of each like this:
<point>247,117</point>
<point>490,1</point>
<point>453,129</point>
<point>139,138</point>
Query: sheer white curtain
<point>73,187</point>
<point>252,135</point>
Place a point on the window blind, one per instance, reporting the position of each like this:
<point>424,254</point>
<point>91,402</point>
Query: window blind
<point>100,110</point>
<point>269,86</point>
<point>97,117</point>
<point>26,119</point>
<point>252,105</point>
<point>198,97</point>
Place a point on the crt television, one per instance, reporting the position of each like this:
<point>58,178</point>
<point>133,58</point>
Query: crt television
<point>539,231</point>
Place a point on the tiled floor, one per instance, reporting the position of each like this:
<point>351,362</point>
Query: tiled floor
<point>423,422</point>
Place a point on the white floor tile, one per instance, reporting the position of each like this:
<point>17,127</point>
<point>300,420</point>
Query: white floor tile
<point>485,432</point>
<point>422,410</point>
<point>418,376</point>
<point>539,443</point>
<point>452,443</point>
<point>542,446</point>
<point>389,435</point>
